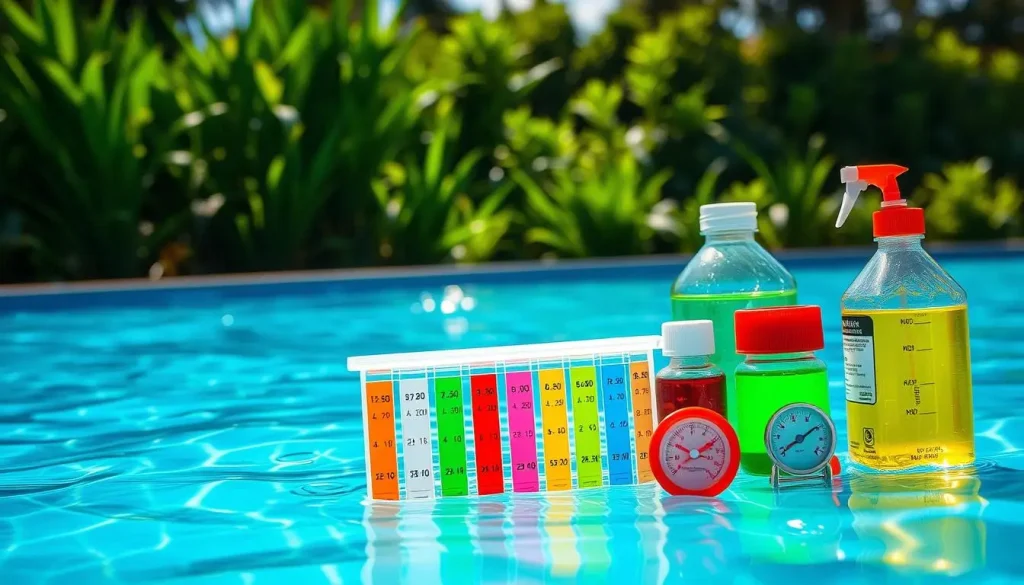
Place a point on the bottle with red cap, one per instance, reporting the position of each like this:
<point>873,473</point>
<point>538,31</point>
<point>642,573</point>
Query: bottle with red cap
<point>779,368</point>
<point>905,342</point>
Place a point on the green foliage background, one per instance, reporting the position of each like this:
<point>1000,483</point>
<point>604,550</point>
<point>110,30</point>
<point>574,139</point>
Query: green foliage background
<point>318,136</point>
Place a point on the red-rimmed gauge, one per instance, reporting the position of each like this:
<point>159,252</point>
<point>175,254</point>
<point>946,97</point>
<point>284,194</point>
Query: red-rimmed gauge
<point>695,452</point>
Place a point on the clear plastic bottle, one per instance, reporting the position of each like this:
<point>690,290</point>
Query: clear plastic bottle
<point>906,350</point>
<point>730,272</point>
<point>690,378</point>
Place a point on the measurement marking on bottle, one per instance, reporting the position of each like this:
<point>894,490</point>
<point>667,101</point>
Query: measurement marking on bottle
<point>926,384</point>
<point>925,349</point>
<point>922,323</point>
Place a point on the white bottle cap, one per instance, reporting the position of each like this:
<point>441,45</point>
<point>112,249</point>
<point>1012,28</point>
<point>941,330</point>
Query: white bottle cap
<point>722,217</point>
<point>687,338</point>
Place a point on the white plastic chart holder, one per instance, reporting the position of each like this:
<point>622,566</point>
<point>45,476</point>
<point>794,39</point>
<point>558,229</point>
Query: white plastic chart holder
<point>524,418</point>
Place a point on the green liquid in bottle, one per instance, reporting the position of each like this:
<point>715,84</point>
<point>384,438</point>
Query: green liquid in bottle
<point>761,395</point>
<point>720,309</point>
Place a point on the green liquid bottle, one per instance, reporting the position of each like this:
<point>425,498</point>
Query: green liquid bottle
<point>730,272</point>
<point>779,369</point>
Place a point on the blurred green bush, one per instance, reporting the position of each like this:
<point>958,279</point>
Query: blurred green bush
<point>318,136</point>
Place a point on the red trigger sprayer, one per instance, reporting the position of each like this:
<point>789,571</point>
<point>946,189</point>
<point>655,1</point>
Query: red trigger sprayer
<point>894,218</point>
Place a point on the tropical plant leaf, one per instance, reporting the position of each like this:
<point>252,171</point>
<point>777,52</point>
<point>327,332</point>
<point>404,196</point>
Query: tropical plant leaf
<point>22,22</point>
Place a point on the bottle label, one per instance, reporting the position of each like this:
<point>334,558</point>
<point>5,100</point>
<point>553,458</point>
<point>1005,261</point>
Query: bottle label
<point>908,387</point>
<point>859,359</point>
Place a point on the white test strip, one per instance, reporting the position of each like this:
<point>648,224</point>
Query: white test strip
<point>417,450</point>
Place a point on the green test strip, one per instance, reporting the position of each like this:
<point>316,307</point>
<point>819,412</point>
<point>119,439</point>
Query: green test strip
<point>451,436</point>
<point>585,424</point>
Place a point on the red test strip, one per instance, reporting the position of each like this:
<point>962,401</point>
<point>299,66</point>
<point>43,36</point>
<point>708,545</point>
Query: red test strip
<point>490,478</point>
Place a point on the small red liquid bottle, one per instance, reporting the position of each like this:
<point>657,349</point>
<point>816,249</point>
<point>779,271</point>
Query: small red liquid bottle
<point>690,379</point>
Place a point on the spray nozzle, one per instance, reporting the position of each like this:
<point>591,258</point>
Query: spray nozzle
<point>860,177</point>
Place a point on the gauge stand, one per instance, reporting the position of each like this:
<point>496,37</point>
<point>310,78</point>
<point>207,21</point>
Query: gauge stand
<point>777,477</point>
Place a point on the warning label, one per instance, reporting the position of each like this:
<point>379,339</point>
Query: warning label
<point>859,359</point>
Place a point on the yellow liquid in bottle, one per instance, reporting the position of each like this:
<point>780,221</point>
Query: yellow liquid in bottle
<point>908,387</point>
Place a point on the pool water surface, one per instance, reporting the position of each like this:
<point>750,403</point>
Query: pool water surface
<point>212,435</point>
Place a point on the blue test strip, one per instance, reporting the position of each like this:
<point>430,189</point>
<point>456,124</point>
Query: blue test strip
<point>615,396</point>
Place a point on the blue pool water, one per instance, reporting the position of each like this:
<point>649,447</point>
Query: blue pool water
<point>213,436</point>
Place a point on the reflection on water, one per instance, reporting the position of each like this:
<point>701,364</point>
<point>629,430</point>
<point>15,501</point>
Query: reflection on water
<point>563,554</point>
<point>923,522</point>
<point>652,533</point>
<point>912,524</point>
<point>491,531</point>
<point>458,543</point>
<point>591,519</point>
<point>525,534</point>
<point>699,539</point>
<point>799,524</point>
<point>383,543</point>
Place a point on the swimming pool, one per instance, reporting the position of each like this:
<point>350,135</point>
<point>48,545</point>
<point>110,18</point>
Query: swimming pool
<point>212,434</point>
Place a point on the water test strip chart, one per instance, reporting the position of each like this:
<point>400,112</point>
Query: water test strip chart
<point>530,418</point>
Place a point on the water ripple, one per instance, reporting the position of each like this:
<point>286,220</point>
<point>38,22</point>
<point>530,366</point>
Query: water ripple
<point>31,489</point>
<point>327,488</point>
<point>300,458</point>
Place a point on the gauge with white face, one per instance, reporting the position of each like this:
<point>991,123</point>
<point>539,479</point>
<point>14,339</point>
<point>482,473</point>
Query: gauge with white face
<point>695,451</point>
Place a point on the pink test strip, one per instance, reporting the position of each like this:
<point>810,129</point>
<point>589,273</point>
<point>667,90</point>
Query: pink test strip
<point>522,433</point>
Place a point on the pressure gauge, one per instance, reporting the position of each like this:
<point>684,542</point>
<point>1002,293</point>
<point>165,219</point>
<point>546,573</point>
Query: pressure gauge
<point>801,441</point>
<point>695,451</point>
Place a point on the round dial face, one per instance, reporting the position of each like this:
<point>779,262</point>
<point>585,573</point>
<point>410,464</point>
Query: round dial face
<point>694,451</point>
<point>800,439</point>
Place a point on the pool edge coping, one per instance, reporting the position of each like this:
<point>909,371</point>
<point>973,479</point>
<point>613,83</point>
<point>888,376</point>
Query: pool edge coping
<point>804,256</point>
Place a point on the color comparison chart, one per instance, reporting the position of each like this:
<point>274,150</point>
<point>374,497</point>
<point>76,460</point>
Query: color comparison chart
<point>528,418</point>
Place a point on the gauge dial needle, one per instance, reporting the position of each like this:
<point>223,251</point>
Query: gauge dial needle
<point>799,439</point>
<point>706,446</point>
<point>700,450</point>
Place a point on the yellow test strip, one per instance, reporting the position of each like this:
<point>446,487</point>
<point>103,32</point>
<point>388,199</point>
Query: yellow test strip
<point>557,469</point>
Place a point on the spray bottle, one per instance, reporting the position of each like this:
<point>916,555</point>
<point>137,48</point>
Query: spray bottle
<point>905,342</point>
